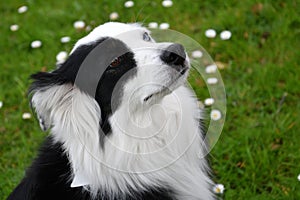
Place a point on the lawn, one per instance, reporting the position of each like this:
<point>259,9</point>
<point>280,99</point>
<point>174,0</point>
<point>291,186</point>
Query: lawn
<point>258,153</point>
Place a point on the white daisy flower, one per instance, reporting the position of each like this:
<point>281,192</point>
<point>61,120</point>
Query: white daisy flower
<point>65,39</point>
<point>225,35</point>
<point>26,116</point>
<point>197,54</point>
<point>215,115</point>
<point>297,177</point>
<point>153,25</point>
<point>88,28</point>
<point>79,25</point>
<point>210,33</point>
<point>129,4</point>
<point>113,16</point>
<point>211,69</point>
<point>61,57</point>
<point>219,189</point>
<point>22,9</point>
<point>209,101</point>
<point>212,81</point>
<point>1,104</point>
<point>164,26</point>
<point>167,3</point>
<point>36,44</point>
<point>14,27</point>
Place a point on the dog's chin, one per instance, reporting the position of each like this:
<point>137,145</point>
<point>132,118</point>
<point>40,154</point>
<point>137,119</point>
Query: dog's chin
<point>168,88</point>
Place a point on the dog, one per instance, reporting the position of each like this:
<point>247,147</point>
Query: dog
<point>123,124</point>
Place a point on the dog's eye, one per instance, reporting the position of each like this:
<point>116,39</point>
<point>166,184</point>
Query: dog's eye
<point>146,37</point>
<point>116,62</point>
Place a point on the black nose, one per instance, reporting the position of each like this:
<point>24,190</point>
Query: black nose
<point>173,55</point>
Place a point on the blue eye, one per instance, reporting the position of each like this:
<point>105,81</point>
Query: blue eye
<point>146,37</point>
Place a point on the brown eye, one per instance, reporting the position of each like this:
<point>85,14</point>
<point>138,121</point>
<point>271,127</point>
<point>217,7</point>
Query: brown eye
<point>115,62</point>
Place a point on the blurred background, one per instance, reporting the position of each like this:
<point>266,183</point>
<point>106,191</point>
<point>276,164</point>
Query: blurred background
<point>258,153</point>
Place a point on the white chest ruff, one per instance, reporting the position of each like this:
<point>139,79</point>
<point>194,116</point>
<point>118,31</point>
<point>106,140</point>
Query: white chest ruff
<point>172,156</point>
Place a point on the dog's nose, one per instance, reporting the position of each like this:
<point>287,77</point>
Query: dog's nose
<point>174,55</point>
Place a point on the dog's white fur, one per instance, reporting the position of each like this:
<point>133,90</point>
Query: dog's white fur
<point>157,143</point>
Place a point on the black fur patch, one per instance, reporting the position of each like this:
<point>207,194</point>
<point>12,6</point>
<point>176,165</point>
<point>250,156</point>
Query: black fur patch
<point>67,73</point>
<point>49,178</point>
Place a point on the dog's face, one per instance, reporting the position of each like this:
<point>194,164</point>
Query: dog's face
<point>157,68</point>
<point>135,70</point>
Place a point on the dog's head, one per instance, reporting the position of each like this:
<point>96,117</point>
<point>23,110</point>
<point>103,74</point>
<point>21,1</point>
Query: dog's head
<point>109,86</point>
<point>115,64</point>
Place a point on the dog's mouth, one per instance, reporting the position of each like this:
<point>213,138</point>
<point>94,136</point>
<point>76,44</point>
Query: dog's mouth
<point>164,90</point>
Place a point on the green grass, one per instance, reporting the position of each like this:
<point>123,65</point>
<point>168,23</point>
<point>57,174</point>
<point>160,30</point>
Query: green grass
<point>257,156</point>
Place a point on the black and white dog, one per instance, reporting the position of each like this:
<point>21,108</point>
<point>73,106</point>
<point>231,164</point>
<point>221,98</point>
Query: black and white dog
<point>122,125</point>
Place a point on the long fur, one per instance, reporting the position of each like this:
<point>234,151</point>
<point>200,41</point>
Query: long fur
<point>134,163</point>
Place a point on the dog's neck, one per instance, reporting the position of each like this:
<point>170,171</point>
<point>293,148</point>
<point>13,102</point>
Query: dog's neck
<point>132,156</point>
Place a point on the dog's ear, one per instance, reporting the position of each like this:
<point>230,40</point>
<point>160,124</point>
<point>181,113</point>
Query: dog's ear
<point>42,90</point>
<point>48,89</point>
<point>48,85</point>
<point>62,104</point>
<point>39,95</point>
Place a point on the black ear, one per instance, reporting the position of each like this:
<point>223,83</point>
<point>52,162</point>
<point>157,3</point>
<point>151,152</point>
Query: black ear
<point>41,89</point>
<point>43,83</point>
<point>66,72</point>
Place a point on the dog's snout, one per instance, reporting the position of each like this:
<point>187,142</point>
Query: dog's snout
<point>174,55</point>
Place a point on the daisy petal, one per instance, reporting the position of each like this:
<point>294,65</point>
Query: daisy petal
<point>22,9</point>
<point>167,3</point>
<point>153,25</point>
<point>65,39</point>
<point>197,54</point>
<point>209,101</point>
<point>26,116</point>
<point>164,26</point>
<point>212,81</point>
<point>61,57</point>
<point>113,16</point>
<point>225,35</point>
<point>215,115</point>
<point>211,69</point>
<point>210,33</point>
<point>219,189</point>
<point>14,27</point>
<point>36,44</point>
<point>129,4</point>
<point>79,25</point>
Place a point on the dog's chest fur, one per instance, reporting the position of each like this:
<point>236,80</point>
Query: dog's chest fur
<point>125,163</point>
